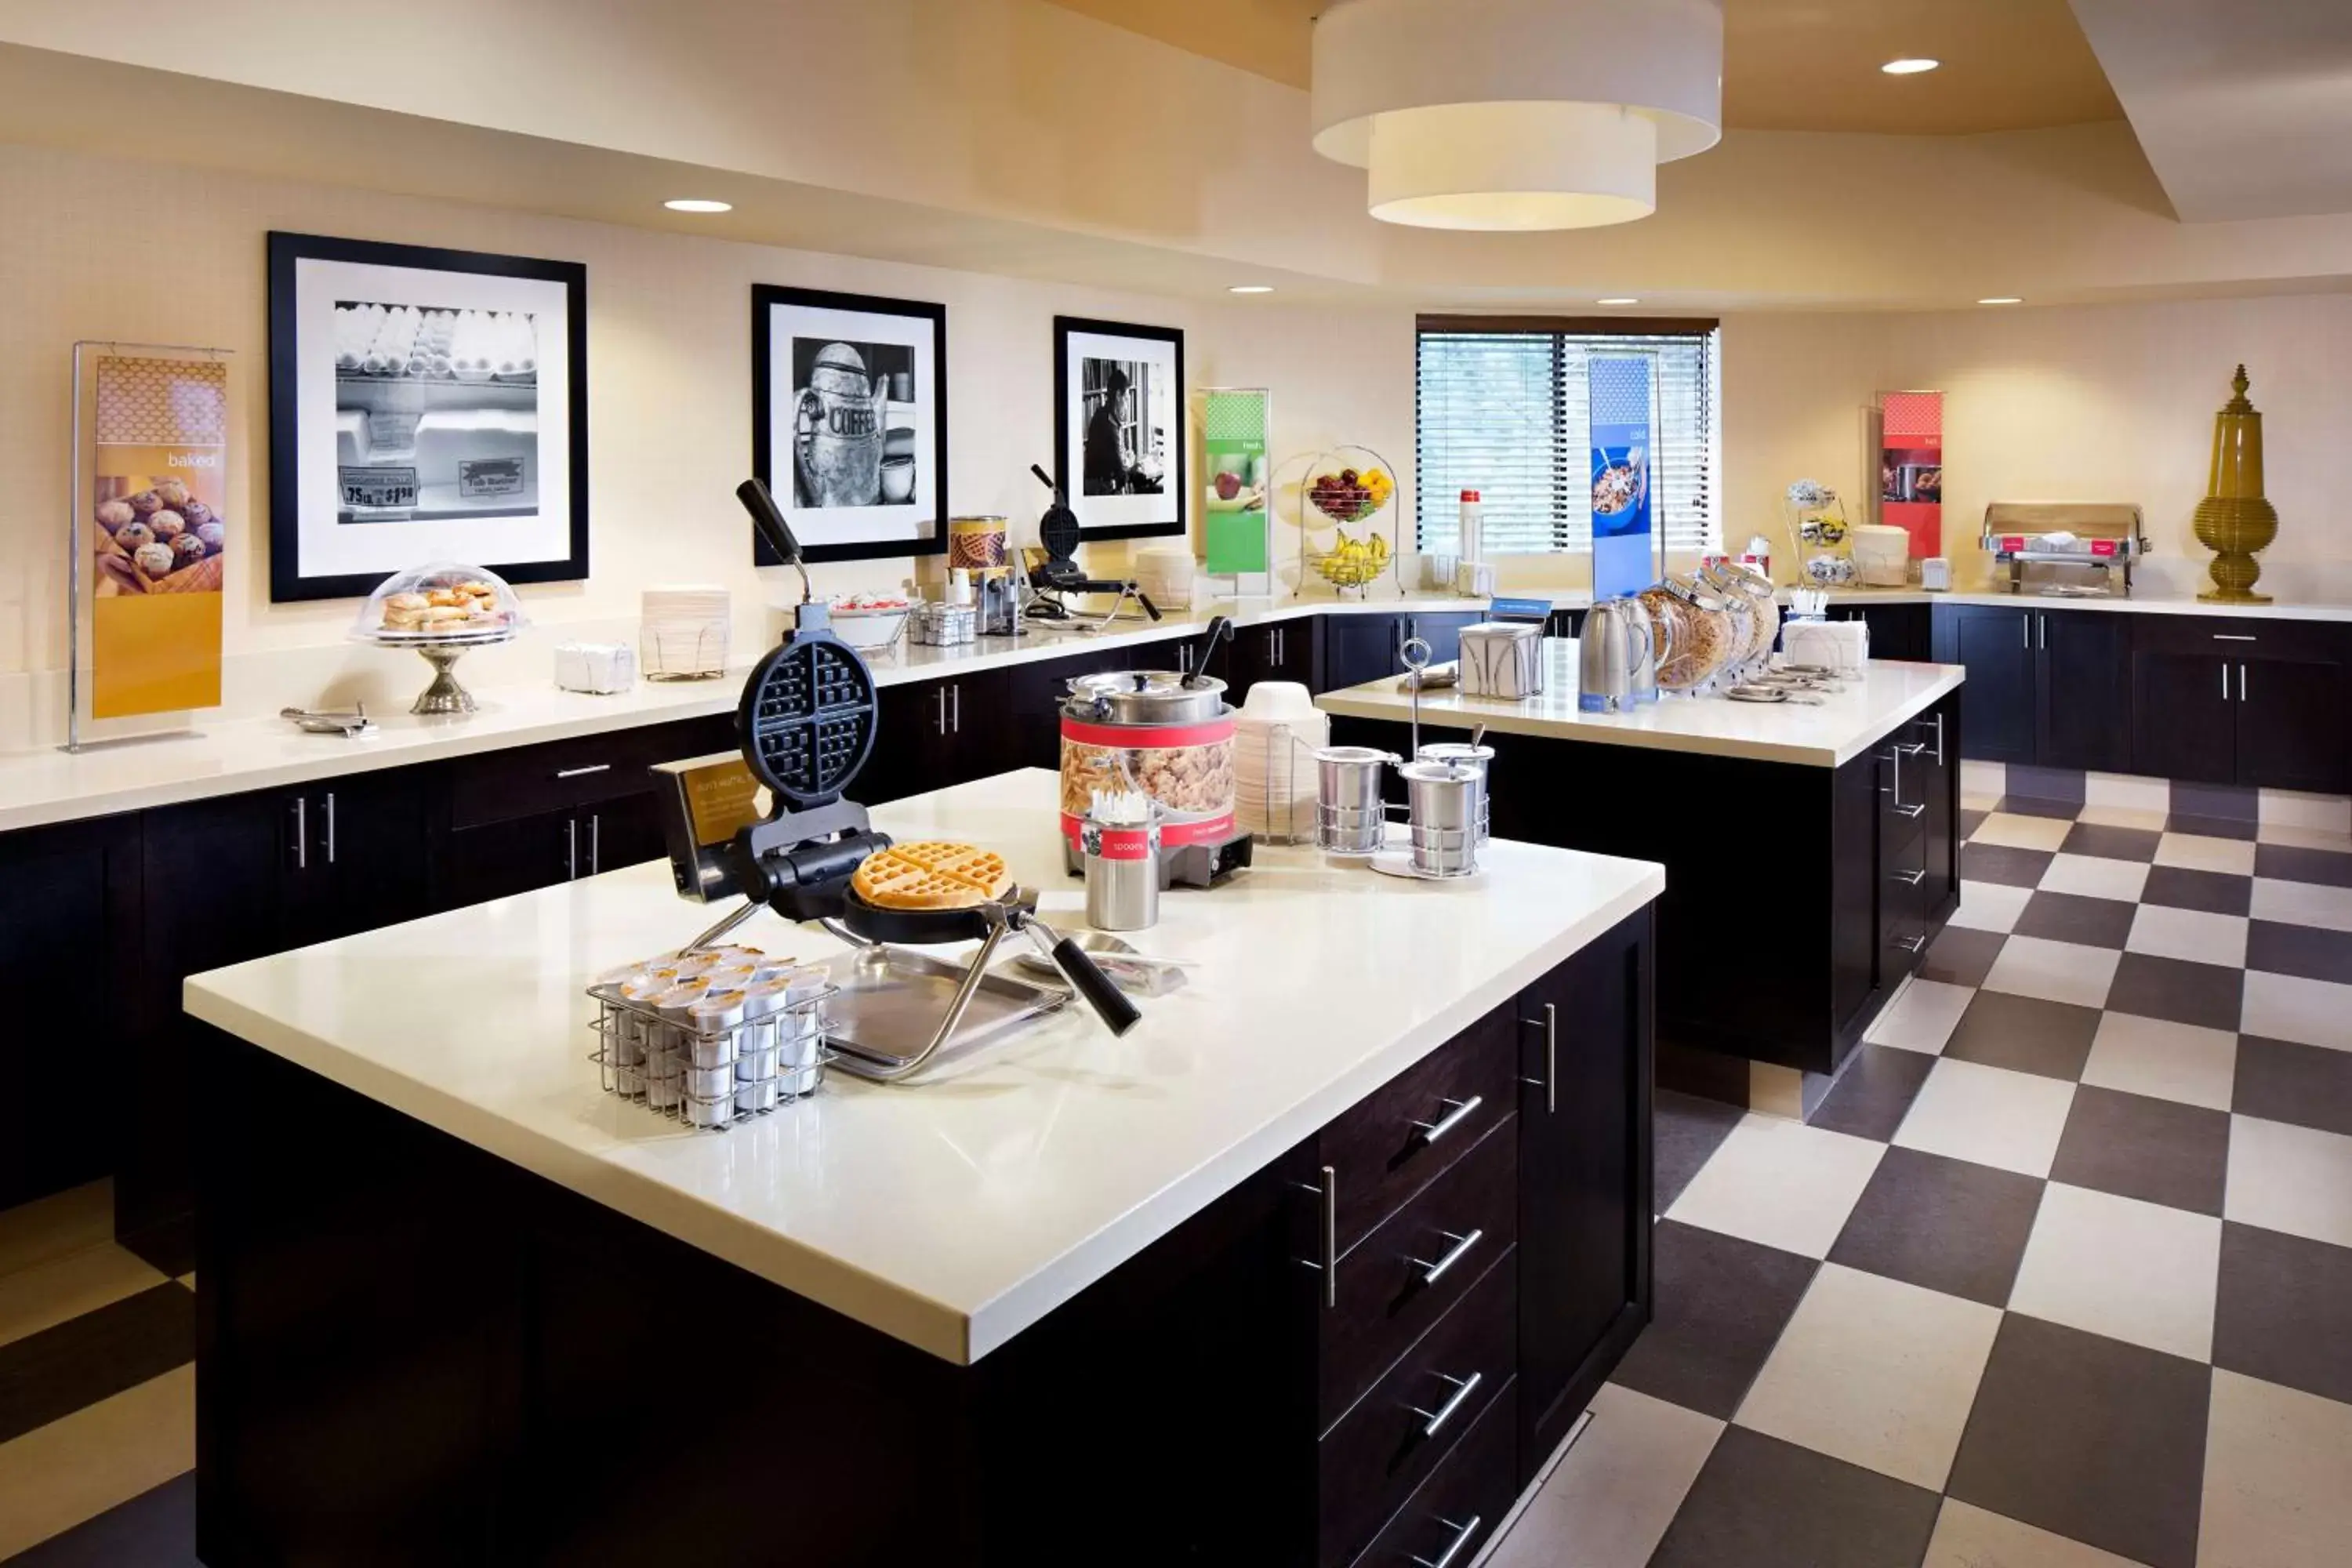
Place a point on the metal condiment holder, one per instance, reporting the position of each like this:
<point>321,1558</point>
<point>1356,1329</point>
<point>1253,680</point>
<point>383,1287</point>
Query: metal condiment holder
<point>644,1057</point>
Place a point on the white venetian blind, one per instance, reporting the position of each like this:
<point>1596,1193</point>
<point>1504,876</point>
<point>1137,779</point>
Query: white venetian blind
<point>1502,412</point>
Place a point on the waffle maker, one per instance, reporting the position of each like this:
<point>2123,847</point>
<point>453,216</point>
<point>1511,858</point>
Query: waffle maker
<point>1059,573</point>
<point>807,723</point>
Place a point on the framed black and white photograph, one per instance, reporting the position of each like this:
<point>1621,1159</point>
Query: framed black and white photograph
<point>425,404</point>
<point>1118,391</point>
<point>849,421</point>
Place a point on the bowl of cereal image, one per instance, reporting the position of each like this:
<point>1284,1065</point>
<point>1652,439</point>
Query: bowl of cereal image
<point>1618,486</point>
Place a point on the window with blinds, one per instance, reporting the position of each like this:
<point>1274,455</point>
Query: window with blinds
<point>1501,410</point>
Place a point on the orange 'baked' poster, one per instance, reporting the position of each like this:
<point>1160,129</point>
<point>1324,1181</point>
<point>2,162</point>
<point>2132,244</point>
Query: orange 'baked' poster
<point>159,493</point>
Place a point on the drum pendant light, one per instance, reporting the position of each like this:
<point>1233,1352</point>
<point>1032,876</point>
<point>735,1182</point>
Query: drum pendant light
<point>1517,114</point>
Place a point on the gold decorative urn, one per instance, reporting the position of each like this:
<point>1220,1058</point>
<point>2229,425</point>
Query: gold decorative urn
<point>2233,520</point>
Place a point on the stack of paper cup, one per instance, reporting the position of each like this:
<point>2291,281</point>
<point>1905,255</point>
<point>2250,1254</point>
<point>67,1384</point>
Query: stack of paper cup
<point>1275,736</point>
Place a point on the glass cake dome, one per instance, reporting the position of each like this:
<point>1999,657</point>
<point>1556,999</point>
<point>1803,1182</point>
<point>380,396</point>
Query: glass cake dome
<point>445,602</point>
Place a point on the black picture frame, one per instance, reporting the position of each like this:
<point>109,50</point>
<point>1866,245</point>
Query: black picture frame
<point>288,582</point>
<point>1174,492</point>
<point>767,300</point>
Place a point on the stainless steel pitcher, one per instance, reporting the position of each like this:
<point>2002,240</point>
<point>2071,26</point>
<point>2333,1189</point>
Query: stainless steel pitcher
<point>1617,664</point>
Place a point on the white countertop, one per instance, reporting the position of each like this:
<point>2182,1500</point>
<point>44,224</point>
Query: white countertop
<point>954,1211</point>
<point>2142,601</point>
<point>1828,736</point>
<point>51,785</point>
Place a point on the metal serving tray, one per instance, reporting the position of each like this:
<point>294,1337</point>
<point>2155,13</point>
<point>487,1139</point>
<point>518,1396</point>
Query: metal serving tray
<point>888,1002</point>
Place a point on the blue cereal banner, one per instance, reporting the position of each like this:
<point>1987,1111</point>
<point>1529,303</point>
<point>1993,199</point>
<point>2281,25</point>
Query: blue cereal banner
<point>1618,387</point>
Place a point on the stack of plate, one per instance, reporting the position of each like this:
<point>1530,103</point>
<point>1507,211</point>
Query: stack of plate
<point>1275,736</point>
<point>682,633</point>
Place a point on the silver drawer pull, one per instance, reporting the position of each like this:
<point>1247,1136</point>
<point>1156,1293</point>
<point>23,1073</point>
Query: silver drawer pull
<point>1329,1267</point>
<point>1914,749</point>
<point>1910,878</point>
<point>2232,637</point>
<point>584,773</point>
<point>1435,1420</point>
<point>1462,1535</point>
<point>1457,1110</point>
<point>1431,1273</point>
<point>1912,943</point>
<point>1911,810</point>
<point>1550,1082</point>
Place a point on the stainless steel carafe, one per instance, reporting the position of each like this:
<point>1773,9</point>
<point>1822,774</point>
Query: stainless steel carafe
<point>1617,667</point>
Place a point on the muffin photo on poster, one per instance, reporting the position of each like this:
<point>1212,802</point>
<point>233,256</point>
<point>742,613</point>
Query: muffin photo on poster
<point>849,421</point>
<point>425,404</point>
<point>1118,442</point>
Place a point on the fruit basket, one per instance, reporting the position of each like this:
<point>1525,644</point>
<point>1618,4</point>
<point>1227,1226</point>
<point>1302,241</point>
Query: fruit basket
<point>1349,503</point>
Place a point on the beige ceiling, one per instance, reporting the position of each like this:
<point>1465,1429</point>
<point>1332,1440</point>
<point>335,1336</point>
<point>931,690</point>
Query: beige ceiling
<point>1789,65</point>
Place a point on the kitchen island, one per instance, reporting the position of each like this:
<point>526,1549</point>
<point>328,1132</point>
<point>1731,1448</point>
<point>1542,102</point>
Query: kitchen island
<point>1318,1265</point>
<point>1812,853</point>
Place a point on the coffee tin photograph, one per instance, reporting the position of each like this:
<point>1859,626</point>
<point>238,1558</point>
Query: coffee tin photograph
<point>849,421</point>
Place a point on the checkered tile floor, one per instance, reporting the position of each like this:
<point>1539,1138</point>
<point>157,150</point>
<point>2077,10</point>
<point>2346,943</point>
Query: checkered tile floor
<point>2060,1273</point>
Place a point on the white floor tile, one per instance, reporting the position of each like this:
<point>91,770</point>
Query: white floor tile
<point>2129,792</point>
<point>2319,813</point>
<point>78,1465</point>
<point>1990,906</point>
<point>1876,1372</point>
<point>2134,1272</point>
<point>2164,1060</point>
<point>2195,852</point>
<point>2021,832</point>
<point>1780,1183</point>
<point>2294,837</point>
<point>2146,821</point>
<point>2295,1179</point>
<point>1995,1117</point>
<point>2303,903</point>
<point>2053,971</point>
<point>1612,1498</point>
<point>65,1288</point>
<point>2275,1463</point>
<point>2191,935</point>
<point>2289,1007</point>
<point>1923,1017</point>
<point>1971,1537</point>
<point>2096,876</point>
<point>71,1221</point>
<point>1983,778</point>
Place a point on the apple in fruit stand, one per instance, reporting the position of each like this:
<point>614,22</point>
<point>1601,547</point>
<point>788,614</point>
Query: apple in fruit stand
<point>1229,485</point>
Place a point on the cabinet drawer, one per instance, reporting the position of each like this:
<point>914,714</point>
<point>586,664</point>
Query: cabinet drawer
<point>2241,637</point>
<point>1449,1519</point>
<point>1398,1139</point>
<point>1404,1276</point>
<point>499,786</point>
<point>1402,1430</point>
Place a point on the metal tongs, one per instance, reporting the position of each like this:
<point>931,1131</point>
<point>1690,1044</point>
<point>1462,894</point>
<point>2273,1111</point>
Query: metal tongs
<point>350,725</point>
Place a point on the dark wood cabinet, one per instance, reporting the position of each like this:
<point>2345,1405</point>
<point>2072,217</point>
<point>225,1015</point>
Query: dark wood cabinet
<point>1584,1178</point>
<point>1995,643</point>
<point>929,734</point>
<point>2083,690</point>
<point>363,855</point>
<point>2257,702</point>
<point>1367,646</point>
<point>2184,722</point>
<point>1282,650</point>
<point>2293,730</point>
<point>1896,631</point>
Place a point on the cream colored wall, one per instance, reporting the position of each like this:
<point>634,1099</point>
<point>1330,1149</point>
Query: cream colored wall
<point>133,251</point>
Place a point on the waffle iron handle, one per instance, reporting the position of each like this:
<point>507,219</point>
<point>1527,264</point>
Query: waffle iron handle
<point>1086,977</point>
<point>768,519</point>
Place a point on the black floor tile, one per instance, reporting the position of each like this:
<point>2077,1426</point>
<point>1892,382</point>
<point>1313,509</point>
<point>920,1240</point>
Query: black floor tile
<point>2232,803</point>
<point>2204,993</point>
<point>2035,806</point>
<point>2206,826</point>
<point>1944,1224</point>
<point>1970,821</point>
<point>2089,1437</point>
<point>1721,1305</point>
<point>154,1530</point>
<point>2308,951</point>
<point>2284,1314</point>
<point>1690,1129</point>
<point>2026,1034</point>
<point>1760,1502</point>
<point>2280,1080</point>
<point>2154,1150</point>
<point>2003,863</point>
<point>2215,892</point>
<point>78,1362</point>
<point>2071,917</point>
<point>2112,843</point>
<point>1961,956</point>
<point>2062,789</point>
<point>2289,864</point>
<point>1873,1090</point>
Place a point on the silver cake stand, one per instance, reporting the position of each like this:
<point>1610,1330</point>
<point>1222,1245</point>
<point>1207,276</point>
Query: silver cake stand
<point>445,695</point>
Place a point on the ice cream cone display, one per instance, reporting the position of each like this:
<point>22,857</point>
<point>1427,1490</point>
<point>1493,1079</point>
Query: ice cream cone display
<point>2234,520</point>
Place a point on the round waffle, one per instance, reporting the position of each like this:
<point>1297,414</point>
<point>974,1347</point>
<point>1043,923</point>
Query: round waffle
<point>931,875</point>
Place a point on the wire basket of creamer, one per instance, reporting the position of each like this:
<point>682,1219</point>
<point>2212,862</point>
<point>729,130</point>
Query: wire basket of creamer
<point>711,1037</point>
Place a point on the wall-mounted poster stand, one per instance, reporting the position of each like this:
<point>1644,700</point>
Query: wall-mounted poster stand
<point>1910,427</point>
<point>1627,544</point>
<point>148,539</point>
<point>1236,516</point>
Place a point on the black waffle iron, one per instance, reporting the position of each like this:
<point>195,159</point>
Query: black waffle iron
<point>1059,573</point>
<point>807,721</point>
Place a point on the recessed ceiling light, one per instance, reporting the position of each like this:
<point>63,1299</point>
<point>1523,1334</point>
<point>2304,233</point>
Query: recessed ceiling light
<point>2002,300</point>
<point>699,205</point>
<point>1251,289</point>
<point>1909,66</point>
<point>1618,299</point>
